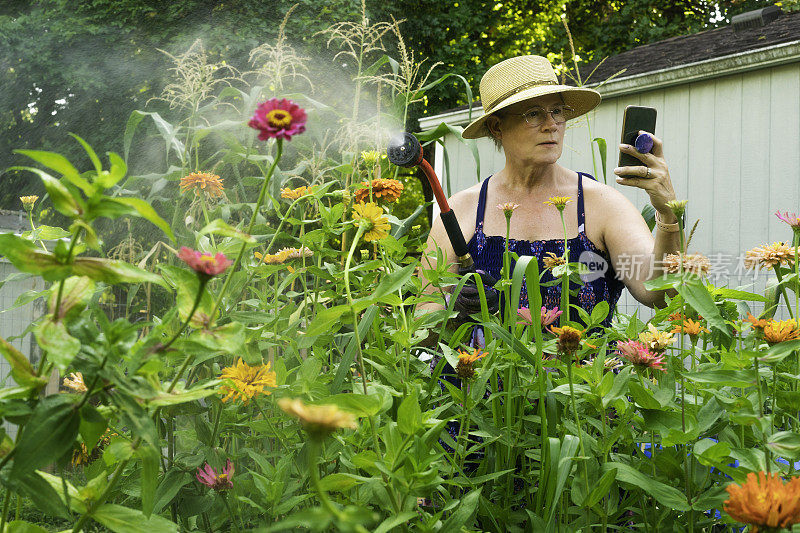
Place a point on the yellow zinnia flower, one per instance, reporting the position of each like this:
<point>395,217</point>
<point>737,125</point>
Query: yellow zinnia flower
<point>559,202</point>
<point>776,331</point>
<point>552,260</point>
<point>689,327</point>
<point>765,501</point>
<point>369,214</point>
<point>319,421</point>
<point>75,382</point>
<point>203,181</point>
<point>28,201</point>
<point>294,194</point>
<point>656,340</point>
<point>247,381</point>
<point>569,339</point>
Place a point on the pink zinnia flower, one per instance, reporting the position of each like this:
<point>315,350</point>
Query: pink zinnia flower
<point>792,219</point>
<point>219,482</point>
<point>548,316</point>
<point>278,119</point>
<point>204,264</point>
<point>639,355</point>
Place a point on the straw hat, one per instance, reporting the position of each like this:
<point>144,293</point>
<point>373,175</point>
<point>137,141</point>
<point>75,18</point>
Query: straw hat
<point>521,78</point>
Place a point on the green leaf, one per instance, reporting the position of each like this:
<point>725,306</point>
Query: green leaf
<point>710,453</point>
<point>150,466</point>
<point>92,426</point>
<point>603,149</point>
<point>664,494</point>
<point>21,369</point>
<point>785,444</point>
<point>186,284</point>
<point>90,152</point>
<point>357,404</point>
<point>27,257</point>
<point>130,128</point>
<point>107,179</point>
<point>464,512</point>
<point>642,397</point>
<point>696,295</point>
<point>325,320</point>
<point>146,211</point>
<point>229,338</point>
<point>49,434</point>
<point>170,485</point>
<point>177,397</point>
<point>46,233</point>
<point>20,526</point>
<point>619,387</point>
<point>63,200</point>
<point>409,415</point>
<point>75,296</point>
<point>395,520</point>
<point>61,347</point>
<point>601,487</point>
<point>340,482</point>
<point>112,271</point>
<point>121,519</point>
<point>51,160</point>
<point>220,227</point>
<point>780,351</point>
<point>723,378</point>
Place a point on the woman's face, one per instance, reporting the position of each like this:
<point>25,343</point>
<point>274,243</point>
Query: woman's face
<point>532,144</point>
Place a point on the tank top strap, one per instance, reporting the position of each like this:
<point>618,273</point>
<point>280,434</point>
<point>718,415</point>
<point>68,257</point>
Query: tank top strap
<point>581,211</point>
<point>481,204</point>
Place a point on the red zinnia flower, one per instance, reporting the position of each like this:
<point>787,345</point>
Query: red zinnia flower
<point>204,264</point>
<point>209,477</point>
<point>548,316</point>
<point>639,355</point>
<point>278,119</point>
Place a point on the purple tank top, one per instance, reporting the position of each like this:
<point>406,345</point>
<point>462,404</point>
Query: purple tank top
<point>487,253</point>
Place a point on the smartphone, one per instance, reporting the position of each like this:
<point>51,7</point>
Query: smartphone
<point>636,118</point>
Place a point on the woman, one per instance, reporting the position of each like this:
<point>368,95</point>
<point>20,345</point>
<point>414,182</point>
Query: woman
<point>525,111</point>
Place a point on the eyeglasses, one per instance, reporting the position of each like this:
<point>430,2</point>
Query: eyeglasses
<point>536,116</point>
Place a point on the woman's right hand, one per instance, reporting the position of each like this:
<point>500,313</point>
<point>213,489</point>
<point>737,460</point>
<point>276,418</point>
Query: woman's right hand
<point>468,301</point>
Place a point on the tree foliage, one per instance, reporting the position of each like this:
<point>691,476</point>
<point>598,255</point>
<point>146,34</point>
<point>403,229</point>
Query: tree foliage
<point>84,66</point>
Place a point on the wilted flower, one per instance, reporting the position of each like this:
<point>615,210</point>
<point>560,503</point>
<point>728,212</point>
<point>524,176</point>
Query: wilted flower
<point>548,316</point>
<point>657,341</point>
<point>552,260</point>
<point>278,119</point>
<point>81,454</point>
<point>28,201</point>
<point>466,363</point>
<point>640,356</point>
<point>211,184</point>
<point>75,382</point>
<point>294,194</point>
<point>696,264</point>
<point>569,339</point>
<point>248,381</point>
<point>689,327</point>
<point>644,143</point>
<point>769,255</point>
<point>776,331</point>
<point>371,216</point>
<point>204,264</point>
<point>764,501</point>
<point>609,363</point>
<point>319,421</point>
<point>678,207</point>
<point>507,208</point>
<point>792,219</point>
<point>271,259</point>
<point>386,188</point>
<point>559,202</point>
<point>218,482</point>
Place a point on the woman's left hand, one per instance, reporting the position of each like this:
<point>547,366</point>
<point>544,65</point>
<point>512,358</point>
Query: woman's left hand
<point>656,182</point>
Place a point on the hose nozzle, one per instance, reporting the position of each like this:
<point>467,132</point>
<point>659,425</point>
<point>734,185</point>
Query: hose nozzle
<point>404,150</point>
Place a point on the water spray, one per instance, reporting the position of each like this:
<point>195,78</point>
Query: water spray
<point>406,151</point>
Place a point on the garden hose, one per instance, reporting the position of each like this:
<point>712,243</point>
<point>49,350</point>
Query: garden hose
<point>406,151</point>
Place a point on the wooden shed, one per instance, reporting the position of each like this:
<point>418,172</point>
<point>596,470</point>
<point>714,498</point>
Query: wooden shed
<point>728,104</point>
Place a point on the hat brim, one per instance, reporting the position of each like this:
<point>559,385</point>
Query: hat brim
<point>580,99</point>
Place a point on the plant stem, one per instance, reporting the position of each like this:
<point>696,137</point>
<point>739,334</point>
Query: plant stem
<point>230,512</point>
<point>577,423</point>
<point>198,297</point>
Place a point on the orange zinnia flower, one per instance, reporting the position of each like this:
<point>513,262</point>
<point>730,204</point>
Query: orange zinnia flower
<point>689,327</point>
<point>205,181</point>
<point>765,501</point>
<point>294,194</point>
<point>776,331</point>
<point>389,189</point>
<point>758,323</point>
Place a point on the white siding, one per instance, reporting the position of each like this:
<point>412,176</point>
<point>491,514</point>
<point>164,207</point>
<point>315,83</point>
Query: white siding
<point>733,146</point>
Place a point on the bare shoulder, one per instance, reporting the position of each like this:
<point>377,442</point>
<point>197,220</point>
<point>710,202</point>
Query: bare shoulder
<point>600,197</point>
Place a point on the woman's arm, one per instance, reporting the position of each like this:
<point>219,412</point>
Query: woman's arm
<point>635,254</point>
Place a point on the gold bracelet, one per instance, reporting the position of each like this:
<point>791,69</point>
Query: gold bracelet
<point>667,228</point>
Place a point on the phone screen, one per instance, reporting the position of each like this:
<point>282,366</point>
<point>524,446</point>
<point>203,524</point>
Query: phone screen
<point>636,118</point>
